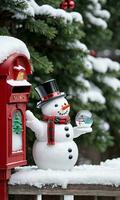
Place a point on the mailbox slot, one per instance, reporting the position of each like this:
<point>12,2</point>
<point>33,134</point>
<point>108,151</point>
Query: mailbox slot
<point>21,89</point>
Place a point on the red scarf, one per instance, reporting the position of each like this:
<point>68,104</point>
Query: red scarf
<point>51,121</point>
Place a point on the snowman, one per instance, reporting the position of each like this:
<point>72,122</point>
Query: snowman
<point>54,147</point>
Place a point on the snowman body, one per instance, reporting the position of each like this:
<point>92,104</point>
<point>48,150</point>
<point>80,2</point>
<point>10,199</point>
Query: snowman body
<point>64,153</point>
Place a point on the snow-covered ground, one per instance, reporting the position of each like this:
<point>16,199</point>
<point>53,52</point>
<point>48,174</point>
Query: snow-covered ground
<point>107,173</point>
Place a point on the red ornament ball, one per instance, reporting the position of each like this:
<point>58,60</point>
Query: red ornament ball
<point>93,53</point>
<point>64,5</point>
<point>71,4</point>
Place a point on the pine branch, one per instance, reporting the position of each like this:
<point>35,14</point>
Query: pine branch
<point>41,27</point>
<point>40,62</point>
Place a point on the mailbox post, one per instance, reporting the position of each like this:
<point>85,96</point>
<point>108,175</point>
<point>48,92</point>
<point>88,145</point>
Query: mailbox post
<point>14,95</point>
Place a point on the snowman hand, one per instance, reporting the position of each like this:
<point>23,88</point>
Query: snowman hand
<point>29,116</point>
<point>81,130</point>
<point>28,123</point>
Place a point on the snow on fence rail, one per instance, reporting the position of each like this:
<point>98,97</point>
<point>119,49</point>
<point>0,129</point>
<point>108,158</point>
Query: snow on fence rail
<point>84,180</point>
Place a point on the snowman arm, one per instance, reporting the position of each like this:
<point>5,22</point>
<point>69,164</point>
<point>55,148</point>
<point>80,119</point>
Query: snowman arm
<point>81,130</point>
<point>33,123</point>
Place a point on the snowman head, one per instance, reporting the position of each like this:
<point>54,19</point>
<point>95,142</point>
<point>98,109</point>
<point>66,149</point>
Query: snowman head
<point>57,107</point>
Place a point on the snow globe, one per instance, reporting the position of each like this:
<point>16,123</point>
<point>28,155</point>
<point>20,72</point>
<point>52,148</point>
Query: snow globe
<point>84,118</point>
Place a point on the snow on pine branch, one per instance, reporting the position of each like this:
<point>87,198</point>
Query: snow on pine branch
<point>102,65</point>
<point>96,10</point>
<point>112,82</point>
<point>77,45</point>
<point>96,15</point>
<point>117,104</point>
<point>84,81</point>
<point>34,9</point>
<point>96,21</point>
<point>103,125</point>
<point>107,173</point>
<point>11,45</point>
<point>93,94</point>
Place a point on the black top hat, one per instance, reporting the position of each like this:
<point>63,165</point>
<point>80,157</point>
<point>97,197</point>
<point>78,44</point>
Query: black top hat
<point>48,91</point>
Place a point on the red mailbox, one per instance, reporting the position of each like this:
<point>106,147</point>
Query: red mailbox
<point>14,95</point>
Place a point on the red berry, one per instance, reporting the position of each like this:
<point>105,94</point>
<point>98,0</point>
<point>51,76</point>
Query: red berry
<point>71,4</point>
<point>93,53</point>
<point>64,5</point>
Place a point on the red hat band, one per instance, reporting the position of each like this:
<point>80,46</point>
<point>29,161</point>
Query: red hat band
<point>54,94</point>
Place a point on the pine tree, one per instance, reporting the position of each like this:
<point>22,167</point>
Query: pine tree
<point>17,124</point>
<point>105,73</point>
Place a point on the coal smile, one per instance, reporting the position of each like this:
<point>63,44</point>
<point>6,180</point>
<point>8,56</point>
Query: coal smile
<point>63,113</point>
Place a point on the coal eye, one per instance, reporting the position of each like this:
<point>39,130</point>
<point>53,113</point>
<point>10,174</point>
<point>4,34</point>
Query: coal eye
<point>65,104</point>
<point>56,105</point>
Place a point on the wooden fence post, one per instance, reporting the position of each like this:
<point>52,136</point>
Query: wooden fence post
<point>39,197</point>
<point>67,197</point>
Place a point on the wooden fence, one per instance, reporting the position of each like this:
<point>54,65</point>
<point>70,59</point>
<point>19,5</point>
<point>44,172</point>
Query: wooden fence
<point>48,192</point>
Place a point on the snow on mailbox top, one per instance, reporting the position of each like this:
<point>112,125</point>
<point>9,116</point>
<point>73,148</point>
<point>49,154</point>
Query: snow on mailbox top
<point>11,45</point>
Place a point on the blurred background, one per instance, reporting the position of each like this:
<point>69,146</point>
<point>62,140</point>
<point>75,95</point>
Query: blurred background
<point>82,52</point>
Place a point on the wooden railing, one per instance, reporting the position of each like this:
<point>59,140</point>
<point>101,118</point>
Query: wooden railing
<point>72,192</point>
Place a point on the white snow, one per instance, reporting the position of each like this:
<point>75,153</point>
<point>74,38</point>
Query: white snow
<point>18,82</point>
<point>93,94</point>
<point>19,67</point>
<point>107,173</point>
<point>87,64</point>
<point>102,65</point>
<point>112,82</point>
<point>10,45</point>
<point>96,20</point>
<point>96,15</point>
<point>77,45</point>
<point>96,9</point>
<point>117,52</point>
<point>103,125</point>
<point>84,81</point>
<point>34,9</point>
<point>102,13</point>
<point>117,104</point>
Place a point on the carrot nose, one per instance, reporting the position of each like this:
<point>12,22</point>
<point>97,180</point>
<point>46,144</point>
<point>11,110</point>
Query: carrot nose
<point>65,107</point>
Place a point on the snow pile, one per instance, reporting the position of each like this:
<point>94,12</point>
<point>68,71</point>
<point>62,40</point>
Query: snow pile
<point>96,15</point>
<point>87,64</point>
<point>112,82</point>
<point>93,94</point>
<point>11,45</point>
<point>103,125</point>
<point>96,21</point>
<point>96,9</point>
<point>107,173</point>
<point>117,104</point>
<point>34,9</point>
<point>13,82</point>
<point>77,45</point>
<point>102,65</point>
<point>83,81</point>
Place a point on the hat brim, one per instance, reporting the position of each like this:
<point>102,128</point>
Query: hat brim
<point>41,103</point>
